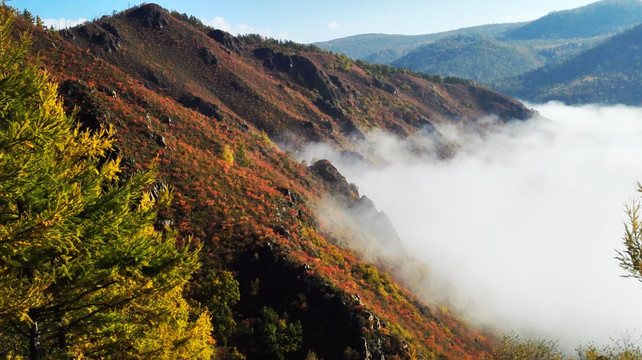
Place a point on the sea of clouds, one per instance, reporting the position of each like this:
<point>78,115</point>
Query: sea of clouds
<point>523,223</point>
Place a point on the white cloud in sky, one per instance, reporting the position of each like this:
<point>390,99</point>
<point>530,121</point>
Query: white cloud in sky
<point>334,25</point>
<point>524,222</point>
<point>220,23</point>
<point>63,23</point>
<point>242,29</point>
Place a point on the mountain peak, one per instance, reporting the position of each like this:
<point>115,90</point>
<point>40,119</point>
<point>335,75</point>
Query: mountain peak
<point>151,15</point>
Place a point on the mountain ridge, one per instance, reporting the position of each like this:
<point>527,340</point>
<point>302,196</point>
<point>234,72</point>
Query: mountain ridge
<point>599,18</point>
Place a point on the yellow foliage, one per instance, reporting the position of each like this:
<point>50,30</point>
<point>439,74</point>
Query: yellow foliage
<point>227,154</point>
<point>266,139</point>
<point>80,256</point>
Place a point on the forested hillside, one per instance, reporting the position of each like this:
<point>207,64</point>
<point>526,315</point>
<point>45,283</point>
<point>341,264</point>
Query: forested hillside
<point>473,57</point>
<point>109,266</point>
<point>607,74</point>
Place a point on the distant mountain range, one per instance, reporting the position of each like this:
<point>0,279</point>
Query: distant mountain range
<point>608,73</point>
<point>478,57</point>
<point>576,56</point>
<point>385,48</point>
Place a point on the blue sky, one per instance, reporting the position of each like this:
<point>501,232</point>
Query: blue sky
<point>309,21</point>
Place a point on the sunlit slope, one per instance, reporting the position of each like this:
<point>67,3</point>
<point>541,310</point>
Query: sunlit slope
<point>208,108</point>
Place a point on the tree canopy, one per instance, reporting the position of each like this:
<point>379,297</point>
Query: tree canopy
<point>83,271</point>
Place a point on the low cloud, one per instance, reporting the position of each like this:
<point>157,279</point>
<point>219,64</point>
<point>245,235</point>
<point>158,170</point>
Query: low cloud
<point>63,23</point>
<point>522,222</point>
<point>334,25</point>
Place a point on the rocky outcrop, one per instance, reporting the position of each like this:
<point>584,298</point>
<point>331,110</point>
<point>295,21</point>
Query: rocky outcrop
<point>207,56</point>
<point>111,29</point>
<point>344,86</point>
<point>226,39</point>
<point>77,94</point>
<point>151,16</point>
<point>384,86</point>
<point>153,78</point>
<point>307,74</point>
<point>158,139</point>
<point>106,40</point>
<point>374,223</point>
<point>335,181</point>
<point>302,70</point>
<point>200,105</point>
<point>425,125</point>
<point>104,35</point>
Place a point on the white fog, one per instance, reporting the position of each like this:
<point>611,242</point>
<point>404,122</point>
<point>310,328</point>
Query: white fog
<point>524,224</point>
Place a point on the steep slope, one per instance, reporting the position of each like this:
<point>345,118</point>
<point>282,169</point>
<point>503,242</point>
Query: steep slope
<point>609,73</point>
<point>290,94</point>
<point>600,18</point>
<point>207,106</point>
<point>479,58</point>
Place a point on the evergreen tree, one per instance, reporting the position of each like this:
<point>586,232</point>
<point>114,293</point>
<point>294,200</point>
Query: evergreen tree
<point>276,335</point>
<point>219,292</point>
<point>83,272</point>
<point>631,258</point>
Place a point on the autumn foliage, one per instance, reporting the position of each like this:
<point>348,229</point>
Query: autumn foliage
<point>207,113</point>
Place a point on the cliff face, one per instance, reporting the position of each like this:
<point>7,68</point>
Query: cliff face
<point>209,107</point>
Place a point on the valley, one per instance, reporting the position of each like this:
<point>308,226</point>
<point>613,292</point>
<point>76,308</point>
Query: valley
<point>371,197</point>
